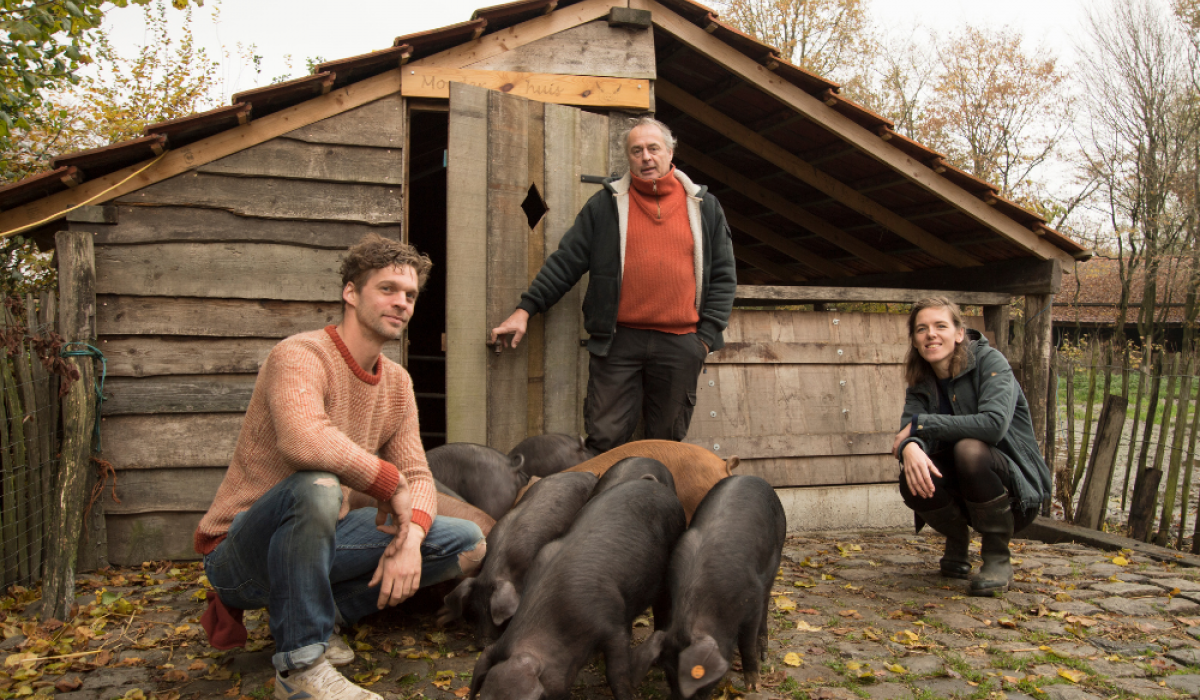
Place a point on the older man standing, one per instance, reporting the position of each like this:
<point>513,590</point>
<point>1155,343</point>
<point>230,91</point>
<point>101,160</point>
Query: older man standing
<point>661,287</point>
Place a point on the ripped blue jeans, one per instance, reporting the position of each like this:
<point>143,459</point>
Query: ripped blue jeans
<point>291,555</point>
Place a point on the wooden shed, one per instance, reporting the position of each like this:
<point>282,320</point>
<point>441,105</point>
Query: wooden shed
<point>219,234</point>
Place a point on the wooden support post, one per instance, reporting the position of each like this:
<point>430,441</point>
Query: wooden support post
<point>76,322</point>
<point>1093,499</point>
<point>995,320</point>
<point>1036,361</point>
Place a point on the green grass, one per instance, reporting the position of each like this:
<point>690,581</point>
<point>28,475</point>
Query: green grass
<point>1134,378</point>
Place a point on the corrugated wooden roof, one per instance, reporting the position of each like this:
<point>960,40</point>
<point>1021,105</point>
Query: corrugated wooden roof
<point>700,76</point>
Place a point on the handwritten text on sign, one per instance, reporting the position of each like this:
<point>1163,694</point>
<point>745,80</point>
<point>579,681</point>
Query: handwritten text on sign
<point>587,90</point>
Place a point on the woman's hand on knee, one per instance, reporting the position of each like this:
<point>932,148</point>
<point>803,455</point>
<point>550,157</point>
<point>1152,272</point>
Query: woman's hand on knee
<point>917,469</point>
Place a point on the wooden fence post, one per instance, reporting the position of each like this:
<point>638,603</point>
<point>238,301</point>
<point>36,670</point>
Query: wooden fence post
<point>1181,415</point>
<point>76,322</point>
<point>1190,463</point>
<point>1093,499</point>
<point>1145,488</point>
<point>1143,377</point>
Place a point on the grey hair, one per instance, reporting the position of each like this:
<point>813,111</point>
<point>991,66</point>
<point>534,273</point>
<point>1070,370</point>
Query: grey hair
<point>668,137</point>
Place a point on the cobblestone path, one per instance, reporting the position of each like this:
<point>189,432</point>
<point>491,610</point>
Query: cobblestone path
<point>860,615</point>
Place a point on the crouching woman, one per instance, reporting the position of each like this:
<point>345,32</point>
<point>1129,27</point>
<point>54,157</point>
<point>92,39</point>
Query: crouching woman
<point>966,444</point>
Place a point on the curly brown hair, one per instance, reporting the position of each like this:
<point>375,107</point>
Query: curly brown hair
<point>374,252</point>
<point>916,369</point>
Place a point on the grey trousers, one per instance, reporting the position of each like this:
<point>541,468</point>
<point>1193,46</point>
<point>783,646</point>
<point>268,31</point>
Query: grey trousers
<point>648,374</point>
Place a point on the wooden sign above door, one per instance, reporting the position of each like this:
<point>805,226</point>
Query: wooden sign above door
<point>580,90</point>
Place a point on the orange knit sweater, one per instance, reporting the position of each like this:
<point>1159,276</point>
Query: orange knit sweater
<point>315,409</point>
<point>658,284</point>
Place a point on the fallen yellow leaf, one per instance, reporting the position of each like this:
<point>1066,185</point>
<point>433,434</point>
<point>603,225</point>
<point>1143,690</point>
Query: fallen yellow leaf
<point>853,665</point>
<point>1120,560</point>
<point>802,625</point>
<point>896,668</point>
<point>1071,674</point>
<point>792,659</point>
<point>785,603</point>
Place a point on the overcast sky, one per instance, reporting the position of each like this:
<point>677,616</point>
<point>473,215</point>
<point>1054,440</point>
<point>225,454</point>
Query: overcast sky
<point>305,28</point>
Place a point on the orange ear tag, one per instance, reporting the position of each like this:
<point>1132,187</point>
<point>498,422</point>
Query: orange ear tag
<point>697,672</point>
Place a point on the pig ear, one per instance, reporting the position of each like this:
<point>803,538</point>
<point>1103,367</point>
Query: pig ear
<point>452,605</point>
<point>700,664</point>
<point>523,678</point>
<point>504,602</point>
<point>645,655</point>
<point>731,464</point>
<point>517,462</point>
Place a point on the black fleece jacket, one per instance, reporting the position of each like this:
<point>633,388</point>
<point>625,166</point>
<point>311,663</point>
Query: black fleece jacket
<point>593,245</point>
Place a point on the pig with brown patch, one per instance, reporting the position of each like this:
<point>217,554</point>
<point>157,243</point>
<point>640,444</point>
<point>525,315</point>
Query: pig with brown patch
<point>584,593</point>
<point>719,584</point>
<point>695,469</point>
<point>488,601</point>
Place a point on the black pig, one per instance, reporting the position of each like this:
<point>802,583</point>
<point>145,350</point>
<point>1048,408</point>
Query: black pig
<point>584,592</point>
<point>486,478</point>
<point>719,583</point>
<point>550,454</point>
<point>548,509</point>
<point>632,468</point>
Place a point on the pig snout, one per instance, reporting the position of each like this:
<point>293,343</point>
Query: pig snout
<point>547,511</point>
<point>607,569</point>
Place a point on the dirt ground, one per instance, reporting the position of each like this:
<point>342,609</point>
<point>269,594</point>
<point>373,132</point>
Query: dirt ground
<point>854,615</point>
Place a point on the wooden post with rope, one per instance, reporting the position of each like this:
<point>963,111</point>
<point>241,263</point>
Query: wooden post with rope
<point>76,323</point>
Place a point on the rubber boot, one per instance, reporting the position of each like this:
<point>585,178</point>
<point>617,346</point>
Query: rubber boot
<point>994,521</point>
<point>949,521</point>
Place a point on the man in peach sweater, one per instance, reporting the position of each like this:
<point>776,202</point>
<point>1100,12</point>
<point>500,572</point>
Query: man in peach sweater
<point>329,414</point>
<point>662,279</point>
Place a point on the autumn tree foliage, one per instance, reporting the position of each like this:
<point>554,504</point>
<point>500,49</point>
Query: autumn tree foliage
<point>43,45</point>
<point>165,78</point>
<point>1142,142</point>
<point>997,109</point>
<point>828,37</point>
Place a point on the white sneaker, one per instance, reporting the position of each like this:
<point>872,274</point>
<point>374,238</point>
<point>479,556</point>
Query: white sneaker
<point>338,652</point>
<point>319,682</point>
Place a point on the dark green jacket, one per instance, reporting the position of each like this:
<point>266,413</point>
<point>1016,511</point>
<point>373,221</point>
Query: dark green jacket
<point>595,244</point>
<point>988,405</point>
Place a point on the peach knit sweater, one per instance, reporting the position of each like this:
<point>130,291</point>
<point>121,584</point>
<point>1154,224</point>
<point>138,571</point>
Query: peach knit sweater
<point>315,409</point>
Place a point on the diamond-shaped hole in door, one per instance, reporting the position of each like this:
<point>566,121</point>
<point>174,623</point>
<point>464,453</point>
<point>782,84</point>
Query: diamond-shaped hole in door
<point>534,206</point>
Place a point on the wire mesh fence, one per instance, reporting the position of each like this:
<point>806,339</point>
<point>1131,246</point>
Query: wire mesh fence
<point>29,438</point>
<point>1158,442</point>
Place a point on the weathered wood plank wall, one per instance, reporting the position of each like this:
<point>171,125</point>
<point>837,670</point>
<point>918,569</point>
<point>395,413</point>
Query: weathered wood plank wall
<point>806,398</point>
<point>199,278</point>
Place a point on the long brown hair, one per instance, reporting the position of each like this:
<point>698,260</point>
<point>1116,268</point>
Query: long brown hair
<point>916,369</point>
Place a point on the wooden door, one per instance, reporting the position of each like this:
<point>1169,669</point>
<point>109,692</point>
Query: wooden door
<point>514,186</point>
